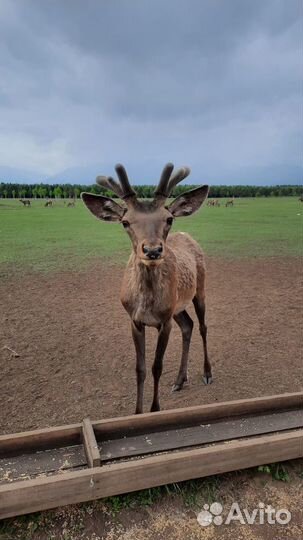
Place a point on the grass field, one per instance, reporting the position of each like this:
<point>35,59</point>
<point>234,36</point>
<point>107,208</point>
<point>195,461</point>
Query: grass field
<point>43,239</point>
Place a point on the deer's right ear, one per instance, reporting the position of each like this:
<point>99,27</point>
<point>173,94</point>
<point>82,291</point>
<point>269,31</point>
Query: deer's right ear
<point>103,207</point>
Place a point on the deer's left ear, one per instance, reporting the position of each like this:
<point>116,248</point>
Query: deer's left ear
<point>189,202</point>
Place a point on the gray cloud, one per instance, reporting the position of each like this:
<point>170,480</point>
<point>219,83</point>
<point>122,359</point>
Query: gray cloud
<point>210,83</point>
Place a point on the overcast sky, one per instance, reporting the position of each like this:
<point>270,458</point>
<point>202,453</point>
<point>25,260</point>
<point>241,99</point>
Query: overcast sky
<point>213,84</point>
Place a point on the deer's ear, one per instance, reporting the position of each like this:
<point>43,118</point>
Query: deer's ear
<point>189,202</point>
<point>103,207</point>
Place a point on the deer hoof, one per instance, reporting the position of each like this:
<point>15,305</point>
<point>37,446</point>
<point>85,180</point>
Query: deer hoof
<point>177,387</point>
<point>207,379</point>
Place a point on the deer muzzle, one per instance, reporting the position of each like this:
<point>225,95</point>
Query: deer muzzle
<point>152,253</point>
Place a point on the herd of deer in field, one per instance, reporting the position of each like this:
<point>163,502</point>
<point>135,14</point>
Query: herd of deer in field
<point>71,204</point>
<point>49,203</point>
<point>215,202</point>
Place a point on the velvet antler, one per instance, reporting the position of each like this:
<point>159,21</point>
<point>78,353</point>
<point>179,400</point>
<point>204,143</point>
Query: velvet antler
<point>168,182</point>
<point>124,190</point>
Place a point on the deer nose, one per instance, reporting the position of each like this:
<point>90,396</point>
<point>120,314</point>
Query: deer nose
<point>152,252</point>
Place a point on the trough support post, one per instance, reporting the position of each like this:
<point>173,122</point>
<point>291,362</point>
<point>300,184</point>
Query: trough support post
<point>90,444</point>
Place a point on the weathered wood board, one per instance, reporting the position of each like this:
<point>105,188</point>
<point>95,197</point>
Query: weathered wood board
<point>202,434</point>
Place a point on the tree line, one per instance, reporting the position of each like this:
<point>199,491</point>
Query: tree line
<point>66,191</point>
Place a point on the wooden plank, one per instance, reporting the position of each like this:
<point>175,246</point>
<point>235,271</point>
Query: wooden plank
<point>71,434</point>
<point>90,444</point>
<point>235,428</point>
<point>188,416</point>
<point>43,493</point>
<point>42,462</point>
<point>28,441</point>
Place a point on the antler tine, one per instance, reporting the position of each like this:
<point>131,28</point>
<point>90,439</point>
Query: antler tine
<point>109,183</point>
<point>161,190</point>
<point>124,181</point>
<point>177,177</point>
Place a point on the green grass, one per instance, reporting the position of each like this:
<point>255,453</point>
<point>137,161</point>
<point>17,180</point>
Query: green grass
<point>43,239</point>
<point>276,471</point>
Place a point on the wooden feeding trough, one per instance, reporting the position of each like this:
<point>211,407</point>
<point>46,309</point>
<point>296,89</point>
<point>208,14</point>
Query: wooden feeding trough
<point>80,462</point>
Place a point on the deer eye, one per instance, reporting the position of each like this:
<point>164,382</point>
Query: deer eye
<point>169,221</point>
<point>125,224</point>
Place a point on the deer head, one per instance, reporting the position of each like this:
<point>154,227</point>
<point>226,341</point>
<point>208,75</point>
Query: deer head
<point>146,222</point>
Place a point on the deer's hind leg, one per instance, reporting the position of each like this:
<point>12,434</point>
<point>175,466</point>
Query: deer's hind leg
<point>186,324</point>
<point>199,304</point>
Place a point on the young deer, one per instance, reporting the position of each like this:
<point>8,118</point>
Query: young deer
<point>165,272</point>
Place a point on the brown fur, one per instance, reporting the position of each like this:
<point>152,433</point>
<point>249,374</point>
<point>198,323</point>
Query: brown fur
<point>164,274</point>
<point>151,293</point>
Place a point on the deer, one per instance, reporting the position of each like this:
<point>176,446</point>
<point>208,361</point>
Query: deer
<point>213,202</point>
<point>48,204</point>
<point>25,202</point>
<point>165,272</point>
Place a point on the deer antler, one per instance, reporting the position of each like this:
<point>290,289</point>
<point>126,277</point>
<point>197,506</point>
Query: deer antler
<point>109,183</point>
<point>161,190</point>
<point>168,182</point>
<point>124,190</point>
<point>178,177</point>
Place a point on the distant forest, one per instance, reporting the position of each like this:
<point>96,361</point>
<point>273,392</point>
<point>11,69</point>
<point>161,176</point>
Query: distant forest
<point>58,191</point>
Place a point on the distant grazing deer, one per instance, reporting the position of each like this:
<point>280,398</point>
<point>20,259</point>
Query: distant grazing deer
<point>165,272</point>
<point>213,202</point>
<point>71,204</point>
<point>25,202</point>
<point>48,203</point>
<point>229,203</point>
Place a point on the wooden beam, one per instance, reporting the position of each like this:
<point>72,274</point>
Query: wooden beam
<point>188,416</point>
<point>90,444</point>
<point>43,493</point>
<point>39,439</point>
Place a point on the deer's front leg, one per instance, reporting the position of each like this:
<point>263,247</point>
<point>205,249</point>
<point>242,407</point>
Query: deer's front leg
<point>163,336</point>
<point>138,333</point>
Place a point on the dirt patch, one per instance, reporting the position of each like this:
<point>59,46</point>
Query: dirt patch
<point>77,357</point>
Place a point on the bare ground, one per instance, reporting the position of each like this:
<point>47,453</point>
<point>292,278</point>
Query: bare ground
<point>77,357</point>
